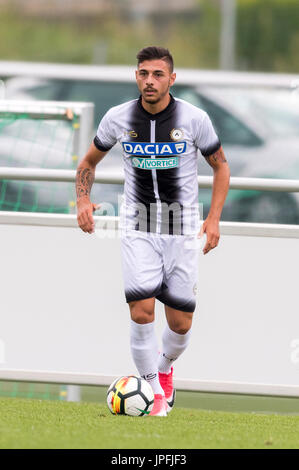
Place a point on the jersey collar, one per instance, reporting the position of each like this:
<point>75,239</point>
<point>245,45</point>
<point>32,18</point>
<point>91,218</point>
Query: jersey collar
<point>168,108</point>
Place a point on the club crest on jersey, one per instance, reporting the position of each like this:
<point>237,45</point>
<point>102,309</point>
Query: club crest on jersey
<point>158,148</point>
<point>176,134</point>
<point>155,163</point>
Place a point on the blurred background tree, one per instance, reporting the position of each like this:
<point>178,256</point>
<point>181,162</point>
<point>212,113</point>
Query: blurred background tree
<point>111,32</point>
<point>268,35</point>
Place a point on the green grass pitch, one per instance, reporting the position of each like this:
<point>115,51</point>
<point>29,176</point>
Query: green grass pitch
<point>32,423</point>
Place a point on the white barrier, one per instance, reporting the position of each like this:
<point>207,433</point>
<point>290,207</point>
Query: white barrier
<point>64,316</point>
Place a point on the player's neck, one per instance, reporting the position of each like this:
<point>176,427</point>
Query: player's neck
<point>154,108</point>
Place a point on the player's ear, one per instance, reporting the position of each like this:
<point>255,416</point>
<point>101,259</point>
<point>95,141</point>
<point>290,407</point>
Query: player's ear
<point>172,78</point>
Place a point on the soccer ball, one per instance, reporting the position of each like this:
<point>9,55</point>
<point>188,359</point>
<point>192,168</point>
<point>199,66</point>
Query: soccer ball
<point>130,395</point>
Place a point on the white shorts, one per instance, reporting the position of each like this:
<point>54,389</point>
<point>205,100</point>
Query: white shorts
<point>160,266</point>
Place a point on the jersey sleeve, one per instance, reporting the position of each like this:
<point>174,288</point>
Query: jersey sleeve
<point>106,136</point>
<point>207,140</point>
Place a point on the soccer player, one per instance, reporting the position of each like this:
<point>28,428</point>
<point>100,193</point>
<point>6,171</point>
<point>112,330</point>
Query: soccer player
<point>160,136</point>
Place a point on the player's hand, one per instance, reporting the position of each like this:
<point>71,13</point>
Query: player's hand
<point>85,210</point>
<point>211,228</point>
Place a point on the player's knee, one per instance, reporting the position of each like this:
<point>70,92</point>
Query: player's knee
<point>142,317</point>
<point>142,312</point>
<point>180,326</point>
<point>181,329</point>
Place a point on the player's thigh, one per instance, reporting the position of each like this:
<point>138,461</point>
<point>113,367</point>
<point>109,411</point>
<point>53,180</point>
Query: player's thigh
<point>180,274</point>
<point>142,266</point>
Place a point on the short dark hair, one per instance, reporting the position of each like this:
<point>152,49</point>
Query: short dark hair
<point>154,52</point>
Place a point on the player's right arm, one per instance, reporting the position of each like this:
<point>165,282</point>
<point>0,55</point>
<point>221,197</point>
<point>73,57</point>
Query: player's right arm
<point>84,181</point>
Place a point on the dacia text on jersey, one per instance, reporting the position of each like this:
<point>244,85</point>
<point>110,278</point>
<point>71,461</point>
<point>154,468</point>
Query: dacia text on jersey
<point>161,149</point>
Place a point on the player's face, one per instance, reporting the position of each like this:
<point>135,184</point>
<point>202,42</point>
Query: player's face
<point>154,79</point>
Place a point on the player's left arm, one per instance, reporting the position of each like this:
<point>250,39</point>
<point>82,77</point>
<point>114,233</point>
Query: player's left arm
<point>220,188</point>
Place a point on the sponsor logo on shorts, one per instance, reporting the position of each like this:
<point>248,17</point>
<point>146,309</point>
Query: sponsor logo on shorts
<point>159,149</point>
<point>155,163</point>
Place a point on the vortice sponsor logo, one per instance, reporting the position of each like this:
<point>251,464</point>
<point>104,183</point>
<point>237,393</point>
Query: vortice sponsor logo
<point>155,163</point>
<point>157,149</point>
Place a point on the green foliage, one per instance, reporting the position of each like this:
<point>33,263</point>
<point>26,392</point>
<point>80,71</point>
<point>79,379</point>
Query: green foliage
<point>267,35</point>
<point>192,40</point>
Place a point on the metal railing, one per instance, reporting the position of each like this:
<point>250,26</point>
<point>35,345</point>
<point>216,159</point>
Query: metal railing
<point>113,177</point>
<point>117,177</point>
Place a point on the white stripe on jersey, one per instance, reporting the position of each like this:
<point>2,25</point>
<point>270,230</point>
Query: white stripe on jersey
<point>155,182</point>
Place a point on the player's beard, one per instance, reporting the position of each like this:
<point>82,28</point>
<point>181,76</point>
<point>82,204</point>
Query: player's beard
<point>156,98</point>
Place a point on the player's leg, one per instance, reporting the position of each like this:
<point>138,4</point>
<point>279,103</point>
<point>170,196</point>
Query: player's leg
<point>181,273</point>
<point>178,321</point>
<point>175,339</point>
<point>143,279</point>
<point>144,349</point>
<point>144,346</point>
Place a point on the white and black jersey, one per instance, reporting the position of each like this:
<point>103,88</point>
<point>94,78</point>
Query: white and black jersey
<point>160,154</point>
